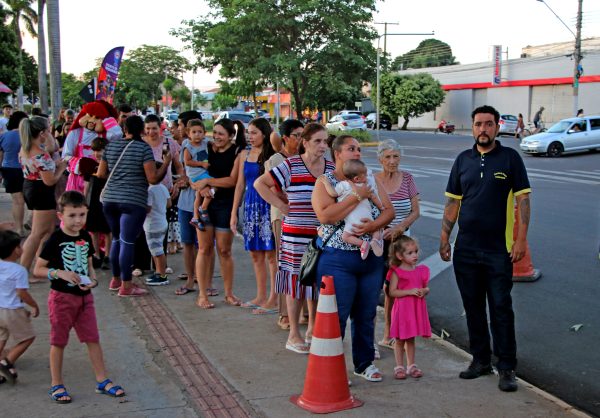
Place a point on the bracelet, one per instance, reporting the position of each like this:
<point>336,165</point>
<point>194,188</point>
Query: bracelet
<point>356,195</point>
<point>52,274</point>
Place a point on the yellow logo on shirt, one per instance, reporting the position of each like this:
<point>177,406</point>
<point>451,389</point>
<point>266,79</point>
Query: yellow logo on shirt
<point>500,175</point>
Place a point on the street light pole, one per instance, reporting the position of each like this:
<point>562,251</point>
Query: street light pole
<point>379,71</point>
<point>576,54</point>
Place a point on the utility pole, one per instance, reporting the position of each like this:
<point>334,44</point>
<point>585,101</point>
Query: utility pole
<point>385,25</point>
<point>577,58</point>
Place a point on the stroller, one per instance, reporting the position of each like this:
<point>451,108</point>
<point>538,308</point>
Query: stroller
<point>445,127</point>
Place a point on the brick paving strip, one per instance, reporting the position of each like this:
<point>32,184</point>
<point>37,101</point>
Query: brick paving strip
<point>206,387</point>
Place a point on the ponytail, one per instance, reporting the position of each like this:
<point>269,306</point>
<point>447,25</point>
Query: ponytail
<point>30,129</point>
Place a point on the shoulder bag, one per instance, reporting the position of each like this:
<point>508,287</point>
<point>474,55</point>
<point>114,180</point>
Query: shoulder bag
<point>113,170</point>
<point>310,259</point>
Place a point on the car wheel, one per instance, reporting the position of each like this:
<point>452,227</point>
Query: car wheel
<point>555,149</point>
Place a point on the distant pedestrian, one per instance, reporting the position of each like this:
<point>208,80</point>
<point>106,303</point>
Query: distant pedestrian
<point>482,181</point>
<point>66,260</point>
<point>579,113</point>
<point>537,118</point>
<point>408,286</point>
<point>15,320</point>
<point>520,126</point>
<point>7,110</point>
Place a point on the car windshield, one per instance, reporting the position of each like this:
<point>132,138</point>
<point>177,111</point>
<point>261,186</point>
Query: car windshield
<point>559,127</point>
<point>351,116</point>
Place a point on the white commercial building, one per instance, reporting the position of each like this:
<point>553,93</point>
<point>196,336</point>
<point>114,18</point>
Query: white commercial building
<point>525,85</point>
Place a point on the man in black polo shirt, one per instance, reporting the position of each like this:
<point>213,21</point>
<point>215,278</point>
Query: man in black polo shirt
<point>483,184</point>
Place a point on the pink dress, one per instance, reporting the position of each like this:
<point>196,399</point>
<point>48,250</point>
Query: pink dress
<point>409,314</point>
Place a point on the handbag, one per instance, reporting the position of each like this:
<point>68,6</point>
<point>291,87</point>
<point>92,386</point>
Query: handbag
<point>310,258</point>
<point>113,170</point>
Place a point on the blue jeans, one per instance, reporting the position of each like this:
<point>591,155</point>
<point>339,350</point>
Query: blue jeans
<point>126,222</point>
<point>357,284</point>
<point>482,276</point>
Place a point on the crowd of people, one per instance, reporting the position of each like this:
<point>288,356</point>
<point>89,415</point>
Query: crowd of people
<point>129,190</point>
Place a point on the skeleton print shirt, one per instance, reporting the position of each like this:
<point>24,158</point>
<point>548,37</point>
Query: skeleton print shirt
<point>64,252</point>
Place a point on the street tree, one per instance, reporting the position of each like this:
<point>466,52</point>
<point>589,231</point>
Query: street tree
<point>181,97</point>
<point>293,42</point>
<point>42,67</point>
<point>429,53</point>
<point>71,86</point>
<point>20,11</point>
<point>9,53</point>
<point>52,10</point>
<point>409,96</point>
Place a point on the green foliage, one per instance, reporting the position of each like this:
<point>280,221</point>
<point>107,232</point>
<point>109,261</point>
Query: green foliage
<point>20,11</point>
<point>30,73</point>
<point>181,97</point>
<point>360,136</point>
<point>306,45</point>
<point>409,96</point>
<point>9,54</point>
<point>429,53</point>
<point>71,86</point>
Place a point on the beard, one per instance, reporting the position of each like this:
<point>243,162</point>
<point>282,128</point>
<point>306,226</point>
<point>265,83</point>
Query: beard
<point>484,141</point>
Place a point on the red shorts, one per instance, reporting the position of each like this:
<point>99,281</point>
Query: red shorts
<point>68,311</point>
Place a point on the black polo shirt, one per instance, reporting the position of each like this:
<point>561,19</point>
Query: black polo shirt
<point>486,185</point>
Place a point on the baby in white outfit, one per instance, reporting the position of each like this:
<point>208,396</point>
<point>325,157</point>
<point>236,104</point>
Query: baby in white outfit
<point>356,172</point>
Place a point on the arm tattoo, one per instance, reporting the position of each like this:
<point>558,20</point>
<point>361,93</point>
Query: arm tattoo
<point>525,210</point>
<point>447,223</point>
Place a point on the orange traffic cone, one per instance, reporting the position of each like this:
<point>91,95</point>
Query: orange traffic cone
<point>326,383</point>
<point>523,270</point>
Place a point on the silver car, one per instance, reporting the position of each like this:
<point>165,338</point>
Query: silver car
<point>568,135</point>
<point>508,124</point>
<point>347,122</point>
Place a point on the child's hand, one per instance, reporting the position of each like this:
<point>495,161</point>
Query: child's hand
<point>89,286</point>
<point>69,276</point>
<point>414,292</point>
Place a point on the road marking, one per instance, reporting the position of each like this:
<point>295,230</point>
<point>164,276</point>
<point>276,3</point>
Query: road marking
<point>431,210</point>
<point>436,264</point>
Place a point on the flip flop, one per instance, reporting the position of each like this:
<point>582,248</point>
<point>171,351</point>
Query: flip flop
<point>182,276</point>
<point>249,305</point>
<point>264,311</point>
<point>297,348</point>
<point>184,291</point>
<point>212,291</point>
<point>205,305</point>
<point>232,300</point>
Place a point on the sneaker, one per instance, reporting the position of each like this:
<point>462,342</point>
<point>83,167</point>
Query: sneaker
<point>157,280</point>
<point>132,291</point>
<point>105,264</point>
<point>508,381</point>
<point>115,284</point>
<point>475,370</point>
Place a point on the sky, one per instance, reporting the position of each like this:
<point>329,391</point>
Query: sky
<point>470,27</point>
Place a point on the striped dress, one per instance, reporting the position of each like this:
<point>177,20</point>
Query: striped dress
<point>401,199</point>
<point>299,226</point>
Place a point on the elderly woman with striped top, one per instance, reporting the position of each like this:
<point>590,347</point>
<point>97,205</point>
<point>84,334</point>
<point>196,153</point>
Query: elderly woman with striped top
<point>400,187</point>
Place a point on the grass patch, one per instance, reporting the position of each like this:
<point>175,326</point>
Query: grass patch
<point>360,136</point>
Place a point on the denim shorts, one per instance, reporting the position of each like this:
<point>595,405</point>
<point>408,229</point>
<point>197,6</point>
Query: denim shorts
<point>188,232</point>
<point>219,212</point>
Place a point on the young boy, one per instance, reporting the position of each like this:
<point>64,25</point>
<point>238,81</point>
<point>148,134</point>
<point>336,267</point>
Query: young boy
<point>14,318</point>
<point>155,228</point>
<point>356,172</point>
<point>66,259</point>
<point>195,158</point>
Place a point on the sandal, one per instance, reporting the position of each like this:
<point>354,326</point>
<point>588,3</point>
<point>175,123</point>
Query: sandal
<point>101,389</point>
<point>364,250</point>
<point>283,322</point>
<point>371,373</point>
<point>300,348</point>
<point>205,304</point>
<point>249,305</point>
<point>137,273</point>
<point>62,394</point>
<point>184,291</point>
<point>182,276</point>
<point>7,370</point>
<point>399,373</point>
<point>204,218</point>
<point>212,291</point>
<point>232,300</point>
<point>414,371</point>
<point>377,354</point>
<point>387,344</point>
<point>197,224</point>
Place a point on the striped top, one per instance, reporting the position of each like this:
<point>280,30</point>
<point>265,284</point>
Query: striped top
<point>401,198</point>
<point>128,184</point>
<point>300,225</point>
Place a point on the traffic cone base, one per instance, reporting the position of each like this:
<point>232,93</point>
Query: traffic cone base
<point>326,383</point>
<point>535,274</point>
<point>523,270</point>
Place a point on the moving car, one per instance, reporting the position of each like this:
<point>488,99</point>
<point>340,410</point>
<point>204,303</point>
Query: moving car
<point>508,125</point>
<point>385,122</point>
<point>346,122</point>
<point>568,135</point>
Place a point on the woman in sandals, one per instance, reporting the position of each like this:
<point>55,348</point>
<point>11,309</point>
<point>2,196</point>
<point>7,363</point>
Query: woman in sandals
<point>223,157</point>
<point>296,177</point>
<point>357,281</point>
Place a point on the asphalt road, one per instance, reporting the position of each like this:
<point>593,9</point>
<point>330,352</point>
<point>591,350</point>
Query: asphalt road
<point>564,237</point>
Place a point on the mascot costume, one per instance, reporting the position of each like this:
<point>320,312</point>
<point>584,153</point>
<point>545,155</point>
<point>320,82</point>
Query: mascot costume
<point>98,118</point>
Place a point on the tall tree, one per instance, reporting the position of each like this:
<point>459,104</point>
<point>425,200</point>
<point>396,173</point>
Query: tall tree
<point>9,53</point>
<point>52,8</point>
<point>290,41</point>
<point>21,11</point>
<point>429,53</point>
<point>42,70</point>
<point>409,96</point>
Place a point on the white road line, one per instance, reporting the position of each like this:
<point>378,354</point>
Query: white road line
<point>569,172</point>
<point>585,174</point>
<point>562,178</point>
<point>436,264</point>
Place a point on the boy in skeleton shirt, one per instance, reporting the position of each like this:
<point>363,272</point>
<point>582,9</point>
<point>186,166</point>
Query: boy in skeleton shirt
<point>66,259</point>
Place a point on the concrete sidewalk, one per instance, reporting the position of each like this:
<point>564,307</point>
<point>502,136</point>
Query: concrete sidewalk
<point>176,360</point>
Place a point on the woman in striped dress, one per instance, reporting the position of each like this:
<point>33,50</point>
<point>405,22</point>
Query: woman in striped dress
<point>294,179</point>
<point>404,196</point>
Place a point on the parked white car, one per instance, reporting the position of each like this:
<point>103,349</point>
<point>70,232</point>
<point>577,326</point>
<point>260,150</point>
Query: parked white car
<point>508,124</point>
<point>347,122</point>
<point>568,135</point>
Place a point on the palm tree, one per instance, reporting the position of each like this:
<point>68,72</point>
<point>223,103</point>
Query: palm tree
<point>42,74</point>
<point>54,45</point>
<point>21,10</point>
